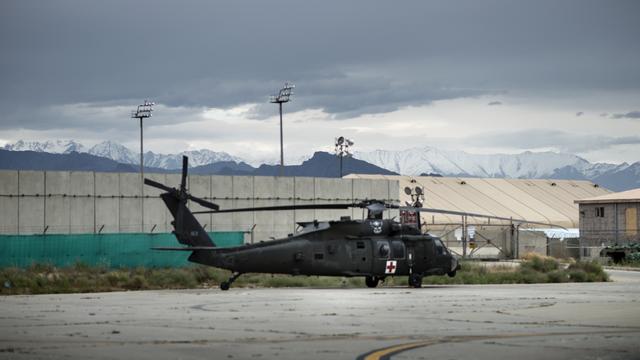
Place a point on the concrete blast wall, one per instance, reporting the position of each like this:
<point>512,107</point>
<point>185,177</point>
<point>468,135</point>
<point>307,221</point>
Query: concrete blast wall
<point>61,202</point>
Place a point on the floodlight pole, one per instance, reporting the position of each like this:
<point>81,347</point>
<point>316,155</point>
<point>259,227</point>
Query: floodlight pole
<point>141,153</point>
<point>143,111</point>
<point>281,144</point>
<point>283,96</point>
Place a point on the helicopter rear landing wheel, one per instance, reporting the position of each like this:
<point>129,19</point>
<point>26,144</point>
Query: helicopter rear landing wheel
<point>415,280</point>
<point>371,281</point>
<point>226,284</point>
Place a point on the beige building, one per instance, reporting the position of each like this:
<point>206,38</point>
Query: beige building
<point>551,203</point>
<point>609,219</point>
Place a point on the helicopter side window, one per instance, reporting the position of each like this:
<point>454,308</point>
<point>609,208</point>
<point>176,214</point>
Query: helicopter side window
<point>383,249</point>
<point>397,250</point>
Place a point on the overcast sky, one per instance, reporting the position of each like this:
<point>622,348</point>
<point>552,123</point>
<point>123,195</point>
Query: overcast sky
<point>478,76</point>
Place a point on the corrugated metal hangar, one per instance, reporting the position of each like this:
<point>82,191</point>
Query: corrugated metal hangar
<point>546,201</point>
<point>539,200</point>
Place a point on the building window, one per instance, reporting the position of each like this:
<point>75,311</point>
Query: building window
<point>318,256</point>
<point>600,211</point>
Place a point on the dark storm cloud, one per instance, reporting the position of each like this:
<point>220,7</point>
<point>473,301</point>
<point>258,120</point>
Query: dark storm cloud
<point>348,58</point>
<point>629,115</point>
<point>543,138</point>
<point>579,113</point>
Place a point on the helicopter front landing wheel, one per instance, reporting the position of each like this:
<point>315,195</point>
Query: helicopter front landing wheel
<point>415,280</point>
<point>371,281</point>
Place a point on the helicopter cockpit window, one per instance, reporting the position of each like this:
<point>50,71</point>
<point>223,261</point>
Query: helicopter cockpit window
<point>397,250</point>
<point>383,249</point>
<point>440,249</point>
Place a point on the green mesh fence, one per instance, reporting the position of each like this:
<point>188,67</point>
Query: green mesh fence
<point>111,250</point>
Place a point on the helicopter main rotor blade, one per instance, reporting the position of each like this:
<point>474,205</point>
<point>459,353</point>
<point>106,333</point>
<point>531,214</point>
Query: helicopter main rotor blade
<point>183,188</point>
<point>203,203</point>
<point>284,207</point>
<point>158,185</point>
<point>462,213</point>
<point>183,179</point>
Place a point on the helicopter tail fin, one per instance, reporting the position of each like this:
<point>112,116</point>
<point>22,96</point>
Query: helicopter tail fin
<point>187,229</point>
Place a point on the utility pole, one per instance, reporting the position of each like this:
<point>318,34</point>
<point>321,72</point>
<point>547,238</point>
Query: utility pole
<point>143,111</point>
<point>283,96</point>
<point>342,149</point>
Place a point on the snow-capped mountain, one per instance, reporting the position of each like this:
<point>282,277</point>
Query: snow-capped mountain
<point>196,158</point>
<point>621,178</point>
<point>55,147</point>
<point>528,164</point>
<point>118,152</point>
<point>114,151</point>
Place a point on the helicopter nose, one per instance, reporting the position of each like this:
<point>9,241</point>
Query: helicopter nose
<point>455,265</point>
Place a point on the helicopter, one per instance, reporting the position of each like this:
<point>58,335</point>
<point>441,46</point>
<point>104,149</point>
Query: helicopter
<point>374,248</point>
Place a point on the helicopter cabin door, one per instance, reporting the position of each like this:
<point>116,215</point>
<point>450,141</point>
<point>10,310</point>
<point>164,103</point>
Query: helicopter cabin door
<point>360,255</point>
<point>423,256</point>
<point>389,258</point>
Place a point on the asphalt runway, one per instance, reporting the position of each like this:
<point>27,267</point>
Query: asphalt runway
<point>545,321</point>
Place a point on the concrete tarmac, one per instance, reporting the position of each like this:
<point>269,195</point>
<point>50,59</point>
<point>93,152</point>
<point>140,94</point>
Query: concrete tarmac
<point>545,321</point>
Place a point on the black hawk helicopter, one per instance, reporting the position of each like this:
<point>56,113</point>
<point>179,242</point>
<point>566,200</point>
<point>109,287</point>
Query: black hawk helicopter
<point>373,247</point>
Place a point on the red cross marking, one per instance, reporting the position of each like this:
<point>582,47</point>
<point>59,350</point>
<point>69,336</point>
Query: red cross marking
<point>391,267</point>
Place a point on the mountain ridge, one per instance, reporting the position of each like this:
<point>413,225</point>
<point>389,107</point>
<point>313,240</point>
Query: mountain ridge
<point>321,164</point>
<point>413,161</point>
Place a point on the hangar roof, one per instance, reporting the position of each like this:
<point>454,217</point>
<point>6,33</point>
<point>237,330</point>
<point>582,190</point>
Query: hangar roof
<point>541,200</point>
<point>619,197</point>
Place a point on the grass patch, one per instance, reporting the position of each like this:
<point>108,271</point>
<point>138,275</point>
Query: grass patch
<point>80,278</point>
<point>534,269</point>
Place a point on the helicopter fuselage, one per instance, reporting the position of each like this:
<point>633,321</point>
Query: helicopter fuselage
<point>373,247</point>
